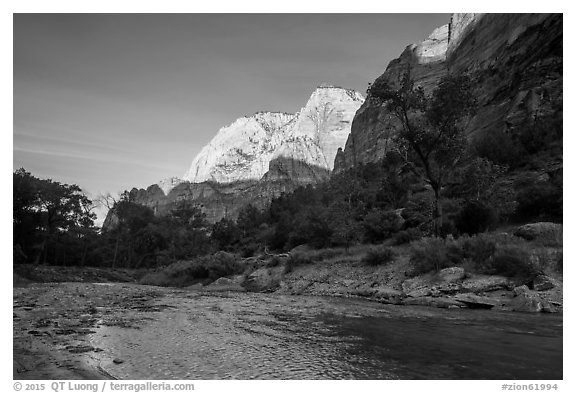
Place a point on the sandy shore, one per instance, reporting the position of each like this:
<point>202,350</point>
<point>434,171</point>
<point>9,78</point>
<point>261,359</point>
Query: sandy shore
<point>52,325</point>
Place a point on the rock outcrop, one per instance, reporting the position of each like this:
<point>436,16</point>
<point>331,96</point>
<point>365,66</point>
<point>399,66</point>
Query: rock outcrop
<point>516,60</point>
<point>245,149</point>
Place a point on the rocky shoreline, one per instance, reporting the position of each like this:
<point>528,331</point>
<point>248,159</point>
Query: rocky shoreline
<point>449,288</point>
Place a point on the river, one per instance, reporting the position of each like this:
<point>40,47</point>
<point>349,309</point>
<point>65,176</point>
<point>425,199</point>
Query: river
<point>265,336</point>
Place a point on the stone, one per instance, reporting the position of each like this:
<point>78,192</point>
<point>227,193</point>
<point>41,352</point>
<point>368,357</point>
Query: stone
<point>474,301</point>
<point>529,301</point>
<point>431,302</point>
<point>520,290</point>
<point>446,289</point>
<point>386,292</point>
<point>118,361</point>
<point>540,229</point>
<point>194,287</point>
<point>543,283</point>
<point>451,274</point>
<point>223,281</point>
<point>264,279</point>
<point>420,292</point>
<point>480,283</point>
<point>414,283</point>
<point>224,284</point>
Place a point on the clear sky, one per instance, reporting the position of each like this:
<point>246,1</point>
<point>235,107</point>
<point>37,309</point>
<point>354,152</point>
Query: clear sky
<point>115,101</point>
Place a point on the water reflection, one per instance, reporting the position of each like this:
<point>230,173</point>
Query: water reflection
<point>257,336</point>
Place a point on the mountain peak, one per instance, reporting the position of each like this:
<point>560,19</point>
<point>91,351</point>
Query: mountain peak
<point>243,150</point>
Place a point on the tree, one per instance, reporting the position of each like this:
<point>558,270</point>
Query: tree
<point>431,135</point>
<point>189,214</point>
<point>225,233</point>
<point>44,210</point>
<point>249,220</point>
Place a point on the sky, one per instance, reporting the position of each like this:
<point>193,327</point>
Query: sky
<point>115,101</point>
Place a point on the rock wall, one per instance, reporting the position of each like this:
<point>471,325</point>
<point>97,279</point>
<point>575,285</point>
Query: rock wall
<point>219,200</point>
<point>243,150</point>
<point>517,63</point>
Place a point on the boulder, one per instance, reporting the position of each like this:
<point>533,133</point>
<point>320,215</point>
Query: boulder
<point>446,289</point>
<point>543,283</point>
<point>223,281</point>
<point>451,274</point>
<point>363,291</point>
<point>537,230</point>
<point>264,279</point>
<point>390,295</point>
<point>420,292</point>
<point>414,283</point>
<point>479,283</point>
<point>225,284</point>
<point>432,302</point>
<point>474,301</point>
<point>529,301</point>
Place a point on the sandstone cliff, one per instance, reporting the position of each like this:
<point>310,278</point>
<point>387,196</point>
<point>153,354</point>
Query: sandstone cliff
<point>259,157</point>
<point>517,62</point>
<point>244,149</point>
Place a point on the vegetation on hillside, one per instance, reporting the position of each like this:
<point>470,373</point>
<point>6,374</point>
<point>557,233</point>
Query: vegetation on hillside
<point>433,183</point>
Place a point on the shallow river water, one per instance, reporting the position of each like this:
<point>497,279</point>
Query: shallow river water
<point>266,336</point>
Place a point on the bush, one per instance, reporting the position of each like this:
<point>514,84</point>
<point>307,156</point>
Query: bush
<point>428,254</point>
<point>512,261</point>
<point>248,250</point>
<point>559,262</point>
<point>479,250</point>
<point>475,217</point>
<point>540,200</point>
<point>379,225</point>
<point>500,148</point>
<point>222,264</point>
<point>378,256</point>
<point>407,236</point>
<point>203,269</point>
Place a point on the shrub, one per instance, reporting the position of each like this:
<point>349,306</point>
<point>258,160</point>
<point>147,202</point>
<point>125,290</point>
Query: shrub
<point>221,264</point>
<point>428,254</point>
<point>378,256</point>
<point>499,147</point>
<point>474,217</point>
<point>379,225</point>
<point>479,250</point>
<point>539,201</point>
<point>512,261</point>
<point>248,249</point>
<point>407,236</point>
<point>559,262</point>
<point>207,268</point>
<point>296,259</point>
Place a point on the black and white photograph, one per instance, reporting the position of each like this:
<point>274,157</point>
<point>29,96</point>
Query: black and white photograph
<point>287,196</point>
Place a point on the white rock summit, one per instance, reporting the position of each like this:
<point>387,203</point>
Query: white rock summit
<point>244,149</point>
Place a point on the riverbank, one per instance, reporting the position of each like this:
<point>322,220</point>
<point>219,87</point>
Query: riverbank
<point>532,262</point>
<point>534,281</point>
<point>53,324</point>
